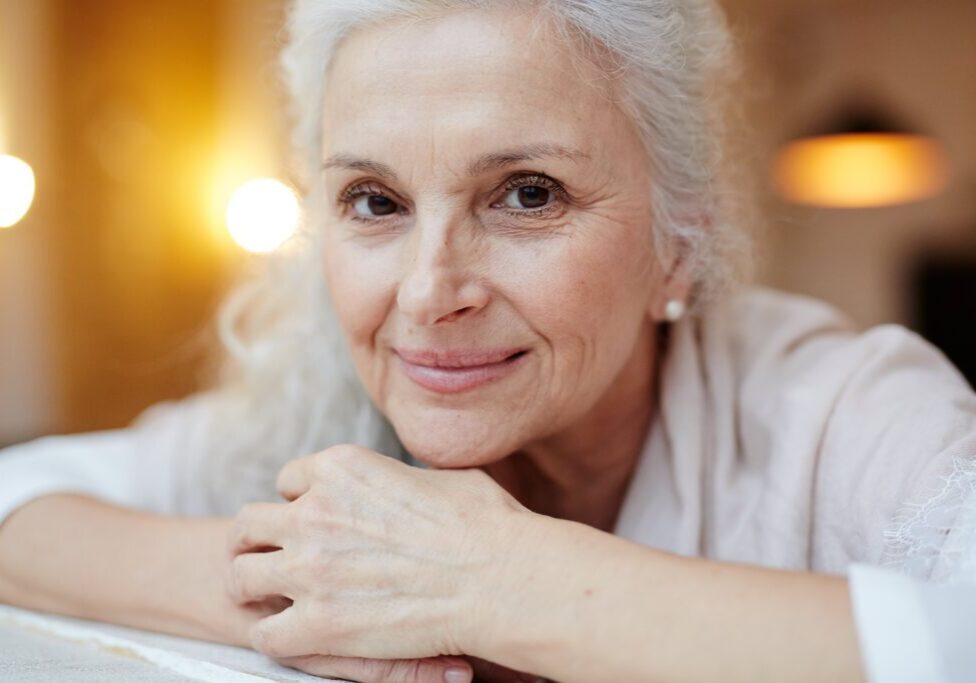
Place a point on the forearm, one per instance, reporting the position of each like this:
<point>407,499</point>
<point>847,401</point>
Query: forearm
<point>591,606</point>
<point>80,557</point>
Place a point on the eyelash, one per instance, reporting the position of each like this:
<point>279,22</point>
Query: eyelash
<point>349,196</point>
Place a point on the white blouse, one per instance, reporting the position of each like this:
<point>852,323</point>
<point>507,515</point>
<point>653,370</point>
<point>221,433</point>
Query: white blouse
<point>784,437</point>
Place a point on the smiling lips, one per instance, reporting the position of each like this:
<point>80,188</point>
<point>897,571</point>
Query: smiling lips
<point>454,371</point>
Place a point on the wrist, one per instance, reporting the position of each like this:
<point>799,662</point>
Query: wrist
<point>520,605</point>
<point>199,602</point>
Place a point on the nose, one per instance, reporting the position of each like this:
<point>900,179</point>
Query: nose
<point>439,283</point>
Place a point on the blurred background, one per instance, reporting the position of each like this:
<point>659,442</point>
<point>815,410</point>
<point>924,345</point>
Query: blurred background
<point>131,133</point>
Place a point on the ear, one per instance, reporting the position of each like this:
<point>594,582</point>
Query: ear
<point>676,284</point>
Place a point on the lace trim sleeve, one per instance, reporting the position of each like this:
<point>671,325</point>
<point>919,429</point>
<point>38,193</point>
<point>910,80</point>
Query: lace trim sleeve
<point>936,538</point>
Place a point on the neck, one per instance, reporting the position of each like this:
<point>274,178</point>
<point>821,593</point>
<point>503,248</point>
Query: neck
<point>582,473</point>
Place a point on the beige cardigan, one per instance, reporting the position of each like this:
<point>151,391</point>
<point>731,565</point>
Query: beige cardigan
<point>788,438</point>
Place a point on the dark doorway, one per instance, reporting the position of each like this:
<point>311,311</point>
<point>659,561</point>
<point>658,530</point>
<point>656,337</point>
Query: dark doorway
<point>945,308</point>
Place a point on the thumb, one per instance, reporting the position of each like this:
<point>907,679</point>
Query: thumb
<point>358,670</point>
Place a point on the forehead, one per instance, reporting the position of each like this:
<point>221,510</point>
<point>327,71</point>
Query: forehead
<point>463,77</point>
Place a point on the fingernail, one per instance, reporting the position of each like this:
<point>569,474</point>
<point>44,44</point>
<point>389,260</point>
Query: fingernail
<point>457,676</point>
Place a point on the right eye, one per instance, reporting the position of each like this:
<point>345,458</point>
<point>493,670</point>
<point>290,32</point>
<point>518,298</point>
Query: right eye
<point>368,202</point>
<point>374,205</point>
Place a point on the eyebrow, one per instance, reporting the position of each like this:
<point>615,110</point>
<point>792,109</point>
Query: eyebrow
<point>480,166</point>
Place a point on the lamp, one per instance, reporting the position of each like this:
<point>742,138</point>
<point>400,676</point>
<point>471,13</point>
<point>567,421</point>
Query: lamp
<point>861,159</point>
<point>16,190</point>
<point>262,215</point>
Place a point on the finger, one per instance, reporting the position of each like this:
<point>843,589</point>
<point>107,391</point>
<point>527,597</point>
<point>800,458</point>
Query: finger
<point>427,670</point>
<point>254,577</point>
<point>295,477</point>
<point>258,526</point>
<point>283,635</point>
<point>489,672</point>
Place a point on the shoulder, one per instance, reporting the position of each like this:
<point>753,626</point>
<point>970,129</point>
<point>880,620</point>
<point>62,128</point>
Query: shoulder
<point>879,418</point>
<point>797,342</point>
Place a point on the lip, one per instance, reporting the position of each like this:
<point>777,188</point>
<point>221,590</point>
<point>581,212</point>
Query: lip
<point>453,371</point>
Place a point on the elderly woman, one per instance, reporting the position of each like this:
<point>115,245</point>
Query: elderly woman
<point>518,257</point>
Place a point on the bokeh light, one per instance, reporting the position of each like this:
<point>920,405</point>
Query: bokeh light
<point>262,215</point>
<point>16,190</point>
<point>860,170</point>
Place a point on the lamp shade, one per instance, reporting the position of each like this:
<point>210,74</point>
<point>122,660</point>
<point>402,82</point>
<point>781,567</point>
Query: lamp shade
<point>860,161</point>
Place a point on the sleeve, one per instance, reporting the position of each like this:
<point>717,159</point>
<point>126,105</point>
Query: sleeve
<point>912,495</point>
<point>915,630</point>
<point>898,456</point>
<point>157,464</point>
<point>910,630</point>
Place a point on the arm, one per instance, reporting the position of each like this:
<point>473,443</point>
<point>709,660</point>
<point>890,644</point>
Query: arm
<point>85,526</point>
<point>384,560</point>
<point>77,556</point>
<point>583,605</point>
<point>80,557</point>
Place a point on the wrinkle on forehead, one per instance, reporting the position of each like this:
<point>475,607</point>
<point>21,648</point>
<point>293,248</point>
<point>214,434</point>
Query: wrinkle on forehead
<point>518,33</point>
<point>437,92</point>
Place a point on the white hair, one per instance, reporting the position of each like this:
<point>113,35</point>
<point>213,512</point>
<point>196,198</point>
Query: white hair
<point>289,387</point>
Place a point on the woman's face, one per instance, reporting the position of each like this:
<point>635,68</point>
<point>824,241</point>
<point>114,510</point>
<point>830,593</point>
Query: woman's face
<point>487,231</point>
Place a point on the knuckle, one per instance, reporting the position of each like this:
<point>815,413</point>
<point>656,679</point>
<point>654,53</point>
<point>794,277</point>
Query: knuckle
<point>238,534</point>
<point>241,525</point>
<point>283,477</point>
<point>312,513</point>
<point>323,462</point>
<point>341,455</point>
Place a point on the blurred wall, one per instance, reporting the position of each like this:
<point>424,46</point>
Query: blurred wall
<point>136,121</point>
<point>805,58</point>
<point>30,400</point>
<point>139,119</point>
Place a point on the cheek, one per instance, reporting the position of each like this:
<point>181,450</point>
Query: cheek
<point>593,286</point>
<point>361,288</point>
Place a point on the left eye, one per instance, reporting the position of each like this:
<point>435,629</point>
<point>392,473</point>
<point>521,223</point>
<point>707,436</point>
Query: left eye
<point>528,197</point>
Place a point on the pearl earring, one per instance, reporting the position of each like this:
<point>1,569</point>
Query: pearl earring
<point>674,310</point>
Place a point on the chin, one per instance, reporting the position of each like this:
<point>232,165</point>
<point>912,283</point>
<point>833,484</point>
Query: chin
<point>455,445</point>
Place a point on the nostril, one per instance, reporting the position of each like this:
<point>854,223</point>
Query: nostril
<point>454,315</point>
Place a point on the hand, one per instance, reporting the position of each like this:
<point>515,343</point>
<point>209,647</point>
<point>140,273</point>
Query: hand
<point>427,670</point>
<point>220,618</point>
<point>381,560</point>
<point>432,670</point>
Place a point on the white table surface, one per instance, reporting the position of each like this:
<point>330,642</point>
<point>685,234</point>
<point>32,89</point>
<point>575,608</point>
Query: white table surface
<point>38,647</point>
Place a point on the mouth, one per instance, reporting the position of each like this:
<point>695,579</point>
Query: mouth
<point>457,371</point>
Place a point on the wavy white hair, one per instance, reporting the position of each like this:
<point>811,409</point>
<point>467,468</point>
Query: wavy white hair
<point>289,387</point>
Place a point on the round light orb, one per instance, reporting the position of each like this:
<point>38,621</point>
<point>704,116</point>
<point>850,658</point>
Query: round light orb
<point>17,187</point>
<point>865,170</point>
<point>262,215</point>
